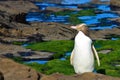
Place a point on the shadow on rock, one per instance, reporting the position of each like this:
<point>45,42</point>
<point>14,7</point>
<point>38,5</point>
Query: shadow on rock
<point>35,38</point>
<point>1,76</point>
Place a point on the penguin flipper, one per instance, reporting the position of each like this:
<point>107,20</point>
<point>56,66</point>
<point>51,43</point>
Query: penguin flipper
<point>71,57</point>
<point>96,55</point>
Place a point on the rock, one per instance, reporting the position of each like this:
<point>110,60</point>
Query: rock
<point>56,9</point>
<point>9,40</point>
<point>15,71</point>
<point>53,1</point>
<point>54,31</point>
<point>85,76</point>
<point>86,6</point>
<point>105,51</point>
<point>14,11</point>
<point>115,5</point>
<point>100,1</point>
<point>36,55</point>
<point>1,76</point>
<point>21,18</point>
<point>12,17</point>
<point>16,7</point>
<point>116,20</point>
<point>46,31</point>
<point>37,0</point>
<point>13,25</point>
<point>11,51</point>
<point>35,38</point>
<point>102,34</point>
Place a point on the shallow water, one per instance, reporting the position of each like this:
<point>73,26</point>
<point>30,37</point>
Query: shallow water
<point>97,21</point>
<point>114,38</point>
<point>104,7</point>
<point>36,61</point>
<point>45,61</point>
<point>75,1</point>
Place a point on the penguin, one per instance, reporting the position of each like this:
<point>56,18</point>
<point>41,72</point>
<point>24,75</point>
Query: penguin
<point>82,55</point>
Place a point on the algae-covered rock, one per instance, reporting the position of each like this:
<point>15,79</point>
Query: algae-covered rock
<point>85,76</point>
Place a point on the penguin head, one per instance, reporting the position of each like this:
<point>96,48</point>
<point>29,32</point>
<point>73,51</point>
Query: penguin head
<point>81,27</point>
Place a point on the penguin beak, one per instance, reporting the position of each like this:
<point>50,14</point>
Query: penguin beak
<point>73,27</point>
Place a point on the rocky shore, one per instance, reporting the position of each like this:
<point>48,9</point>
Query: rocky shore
<point>115,4</point>
<point>13,27</point>
<point>15,71</point>
<point>11,51</point>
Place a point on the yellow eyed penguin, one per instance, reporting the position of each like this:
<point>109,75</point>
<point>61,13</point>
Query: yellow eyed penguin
<point>82,57</point>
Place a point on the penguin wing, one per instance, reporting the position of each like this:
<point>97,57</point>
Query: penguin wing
<point>96,55</point>
<point>71,57</point>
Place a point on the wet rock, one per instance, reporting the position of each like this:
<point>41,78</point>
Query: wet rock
<point>12,17</point>
<point>14,71</point>
<point>38,56</point>
<point>54,31</point>
<point>102,34</point>
<point>1,76</point>
<point>11,51</point>
<point>37,0</point>
<point>13,25</point>
<point>86,6</point>
<point>52,1</point>
<point>100,1</point>
<point>105,51</point>
<point>117,20</point>
<point>115,5</point>
<point>9,40</point>
<point>16,7</point>
<point>14,11</point>
<point>20,18</point>
<point>85,76</point>
<point>56,9</point>
<point>35,38</point>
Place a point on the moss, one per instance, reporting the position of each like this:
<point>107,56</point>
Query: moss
<point>54,66</point>
<point>108,44</point>
<point>88,12</point>
<point>18,43</point>
<point>17,59</point>
<point>73,19</point>
<point>58,47</point>
<point>36,66</point>
<point>58,66</point>
<point>108,61</point>
<point>64,12</point>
